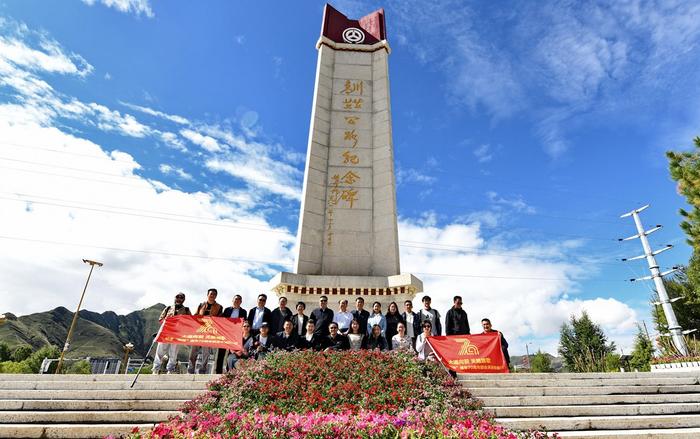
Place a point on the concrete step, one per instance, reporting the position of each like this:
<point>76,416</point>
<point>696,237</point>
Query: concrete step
<point>583,391</point>
<point>509,401</point>
<point>85,417</point>
<point>575,423</point>
<point>593,382</point>
<point>668,433</point>
<point>101,394</point>
<point>594,410</point>
<point>68,430</point>
<point>102,385</point>
<point>570,376</point>
<point>14,377</point>
<point>109,404</point>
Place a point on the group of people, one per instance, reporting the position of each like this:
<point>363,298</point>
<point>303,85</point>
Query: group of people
<point>265,330</point>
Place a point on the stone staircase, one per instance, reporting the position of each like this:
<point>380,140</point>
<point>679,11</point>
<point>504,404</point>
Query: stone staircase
<point>86,406</point>
<point>621,405</point>
<point>593,405</point>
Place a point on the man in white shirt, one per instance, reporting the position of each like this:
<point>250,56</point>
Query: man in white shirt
<point>259,315</point>
<point>343,318</point>
<point>431,315</point>
<point>412,320</point>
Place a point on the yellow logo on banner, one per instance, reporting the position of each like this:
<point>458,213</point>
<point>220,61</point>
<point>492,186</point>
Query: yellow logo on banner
<point>467,347</point>
<point>207,327</point>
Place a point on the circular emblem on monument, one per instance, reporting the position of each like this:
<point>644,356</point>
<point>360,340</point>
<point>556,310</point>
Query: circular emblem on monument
<point>353,35</point>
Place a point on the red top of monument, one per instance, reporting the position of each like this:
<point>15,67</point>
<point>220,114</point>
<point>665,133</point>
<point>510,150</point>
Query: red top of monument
<point>369,29</point>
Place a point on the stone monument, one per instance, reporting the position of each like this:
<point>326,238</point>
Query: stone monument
<point>348,234</point>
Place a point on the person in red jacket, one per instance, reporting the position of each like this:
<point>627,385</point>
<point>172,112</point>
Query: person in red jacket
<point>208,308</point>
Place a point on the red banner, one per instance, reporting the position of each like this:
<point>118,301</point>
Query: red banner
<point>470,353</point>
<point>212,332</point>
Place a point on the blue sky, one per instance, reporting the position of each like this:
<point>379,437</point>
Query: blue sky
<point>169,140</point>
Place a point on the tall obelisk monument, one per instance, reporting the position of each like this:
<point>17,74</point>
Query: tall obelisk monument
<point>348,236</point>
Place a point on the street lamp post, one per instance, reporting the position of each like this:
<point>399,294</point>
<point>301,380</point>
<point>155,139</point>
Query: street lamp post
<point>128,348</point>
<point>75,316</point>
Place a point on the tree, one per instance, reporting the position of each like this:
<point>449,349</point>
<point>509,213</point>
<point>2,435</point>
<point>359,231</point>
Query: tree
<point>583,345</point>
<point>21,352</point>
<point>34,361</point>
<point>684,285</point>
<point>4,352</point>
<point>685,169</point>
<point>80,367</point>
<point>541,363</point>
<point>642,352</point>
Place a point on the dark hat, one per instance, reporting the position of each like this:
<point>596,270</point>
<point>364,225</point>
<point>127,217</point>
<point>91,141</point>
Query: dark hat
<point>265,324</point>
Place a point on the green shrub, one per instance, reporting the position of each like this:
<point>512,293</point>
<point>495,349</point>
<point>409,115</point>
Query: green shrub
<point>540,363</point>
<point>34,361</point>
<point>21,353</point>
<point>14,367</point>
<point>4,352</point>
<point>80,367</point>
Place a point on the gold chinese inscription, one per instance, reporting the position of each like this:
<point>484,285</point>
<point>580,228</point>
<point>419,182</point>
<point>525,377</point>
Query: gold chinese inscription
<point>351,135</point>
<point>352,103</point>
<point>350,159</point>
<point>353,87</point>
<point>342,187</point>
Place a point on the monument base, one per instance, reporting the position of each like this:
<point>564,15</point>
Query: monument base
<point>383,289</point>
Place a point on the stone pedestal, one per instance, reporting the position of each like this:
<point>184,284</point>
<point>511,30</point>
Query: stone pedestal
<point>383,289</point>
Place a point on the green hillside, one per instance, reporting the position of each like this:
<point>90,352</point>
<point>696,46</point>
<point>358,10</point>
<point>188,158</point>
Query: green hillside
<point>95,335</point>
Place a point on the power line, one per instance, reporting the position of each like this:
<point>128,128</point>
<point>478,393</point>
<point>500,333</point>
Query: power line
<point>558,217</point>
<point>153,252</point>
<point>277,263</point>
<point>234,226</point>
<point>77,154</point>
<point>408,244</point>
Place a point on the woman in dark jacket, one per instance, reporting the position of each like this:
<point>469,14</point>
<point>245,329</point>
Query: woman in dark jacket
<point>393,318</point>
<point>234,356</point>
<point>310,340</point>
<point>376,341</point>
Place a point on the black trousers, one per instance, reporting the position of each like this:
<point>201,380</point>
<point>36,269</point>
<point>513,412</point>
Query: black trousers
<point>220,356</point>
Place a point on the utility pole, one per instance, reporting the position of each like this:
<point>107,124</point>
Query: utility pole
<point>75,316</point>
<point>528,357</point>
<point>656,276</point>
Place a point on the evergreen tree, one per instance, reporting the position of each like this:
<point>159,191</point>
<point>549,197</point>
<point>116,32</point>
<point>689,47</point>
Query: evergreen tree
<point>4,352</point>
<point>583,345</point>
<point>682,284</point>
<point>541,363</point>
<point>642,352</point>
<point>685,169</point>
<point>21,352</point>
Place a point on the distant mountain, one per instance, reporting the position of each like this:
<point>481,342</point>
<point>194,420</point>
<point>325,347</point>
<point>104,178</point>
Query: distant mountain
<point>95,334</point>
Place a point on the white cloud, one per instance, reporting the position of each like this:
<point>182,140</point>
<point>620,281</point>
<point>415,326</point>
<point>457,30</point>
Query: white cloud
<point>484,153</point>
<point>72,211</point>
<point>70,198</point>
<point>567,65</point>
<point>169,169</point>
<point>525,297</point>
<point>411,175</point>
<point>112,120</point>
<point>517,203</point>
<point>52,59</point>
<point>260,173</point>
<point>150,111</point>
<point>137,7</point>
<point>173,141</point>
<point>208,143</point>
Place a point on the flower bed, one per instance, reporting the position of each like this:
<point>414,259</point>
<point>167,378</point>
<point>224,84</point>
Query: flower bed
<point>334,395</point>
<point>675,364</point>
